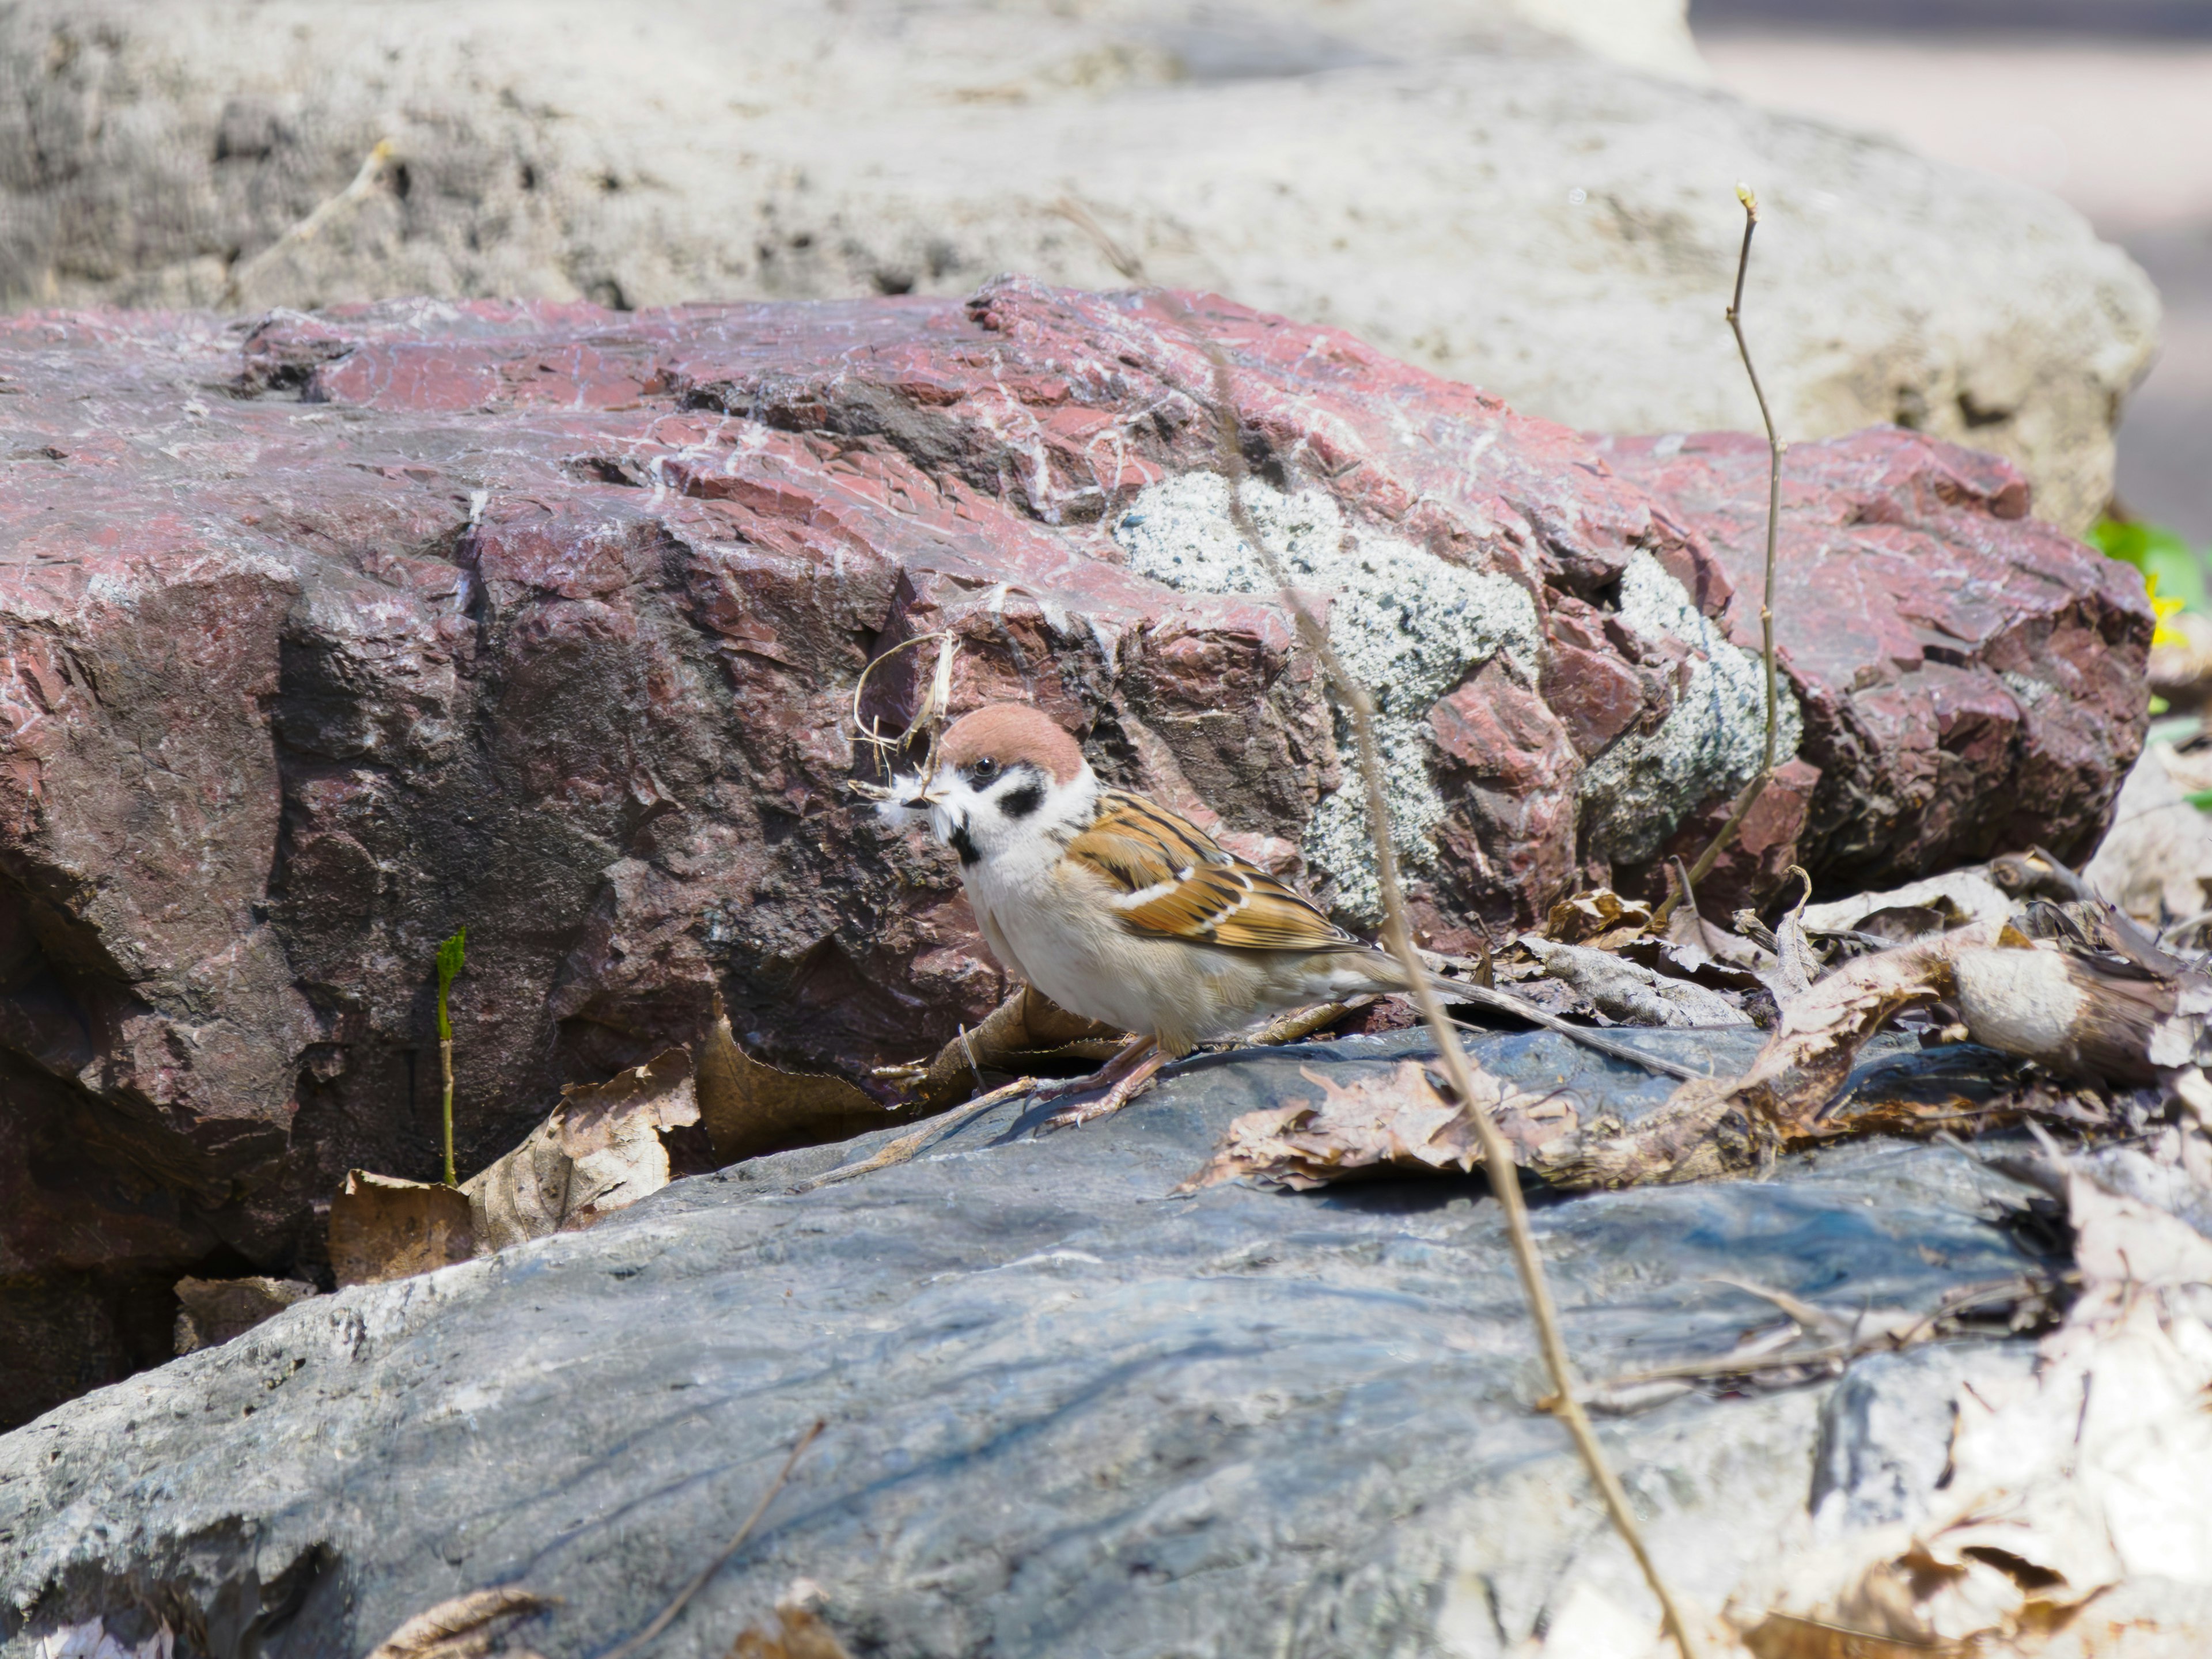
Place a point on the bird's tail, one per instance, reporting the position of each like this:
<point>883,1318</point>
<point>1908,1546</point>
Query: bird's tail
<point>1464,992</point>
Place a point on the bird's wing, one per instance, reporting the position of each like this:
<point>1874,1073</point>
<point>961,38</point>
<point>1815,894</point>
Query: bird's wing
<point>1174,880</point>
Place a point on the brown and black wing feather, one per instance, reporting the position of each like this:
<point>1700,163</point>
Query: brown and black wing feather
<point>1177,881</point>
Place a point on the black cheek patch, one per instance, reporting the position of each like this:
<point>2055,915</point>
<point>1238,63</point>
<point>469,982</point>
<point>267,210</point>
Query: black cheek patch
<point>959,842</point>
<point>1018,804</point>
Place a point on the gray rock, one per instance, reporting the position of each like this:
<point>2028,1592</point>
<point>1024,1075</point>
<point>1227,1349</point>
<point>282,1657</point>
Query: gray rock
<point>1885,1430</point>
<point>1464,190</point>
<point>1068,1414</point>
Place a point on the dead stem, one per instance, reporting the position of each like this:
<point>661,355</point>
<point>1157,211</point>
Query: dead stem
<point>905,1148</point>
<point>1497,1156</point>
<point>1775,449</point>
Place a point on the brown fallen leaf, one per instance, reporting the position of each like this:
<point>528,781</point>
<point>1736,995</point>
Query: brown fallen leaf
<point>602,1149</point>
<point>1393,1118</point>
<point>1600,917</point>
<point>750,1108</point>
<point>794,1633</point>
<point>384,1228</point>
<point>1026,1027</point>
<point>211,1311</point>
<point>463,1628</point>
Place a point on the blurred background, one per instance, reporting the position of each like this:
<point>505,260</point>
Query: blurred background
<point>1964,198</point>
<point>2105,103</point>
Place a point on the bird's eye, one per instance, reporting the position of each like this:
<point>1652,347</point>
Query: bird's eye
<point>984,771</point>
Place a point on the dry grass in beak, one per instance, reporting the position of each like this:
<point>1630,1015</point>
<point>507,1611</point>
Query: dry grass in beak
<point>928,720</point>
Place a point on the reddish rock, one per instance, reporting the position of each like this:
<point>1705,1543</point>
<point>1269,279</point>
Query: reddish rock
<point>327,637</point>
<point>1969,678</point>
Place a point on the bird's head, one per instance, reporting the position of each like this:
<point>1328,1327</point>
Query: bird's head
<point>1004,775</point>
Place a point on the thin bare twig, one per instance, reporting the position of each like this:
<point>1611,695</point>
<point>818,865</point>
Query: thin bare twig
<point>667,1615</point>
<point>907,1146</point>
<point>1498,1156</point>
<point>1776,449</point>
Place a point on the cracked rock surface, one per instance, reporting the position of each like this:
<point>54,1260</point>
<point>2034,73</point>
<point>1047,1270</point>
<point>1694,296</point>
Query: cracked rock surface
<point>326,634</point>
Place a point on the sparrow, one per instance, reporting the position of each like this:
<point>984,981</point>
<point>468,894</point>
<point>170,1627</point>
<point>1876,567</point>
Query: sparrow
<point>1127,913</point>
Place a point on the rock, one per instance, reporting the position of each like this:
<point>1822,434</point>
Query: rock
<point>330,636</point>
<point>1065,1415</point>
<point>213,1311</point>
<point>1944,695</point>
<point>1885,1430</point>
<point>1461,188</point>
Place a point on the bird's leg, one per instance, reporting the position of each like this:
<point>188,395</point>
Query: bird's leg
<point>1127,1073</point>
<point>1128,1055</point>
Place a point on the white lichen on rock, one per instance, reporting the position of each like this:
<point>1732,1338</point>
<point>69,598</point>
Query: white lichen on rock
<point>1408,624</point>
<point>1635,793</point>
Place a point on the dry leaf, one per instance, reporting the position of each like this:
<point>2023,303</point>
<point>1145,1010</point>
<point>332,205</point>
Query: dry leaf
<point>2088,1474</point>
<point>211,1311</point>
<point>602,1149</point>
<point>384,1228</point>
<point>2156,860</point>
<point>1796,964</point>
<point>1599,916</point>
<point>1635,995</point>
<point>750,1108</point>
<point>1394,1118</point>
<point>1969,893</point>
<point>1901,924</point>
<point>1809,1057</point>
<point>463,1628</point>
<point>794,1633</point>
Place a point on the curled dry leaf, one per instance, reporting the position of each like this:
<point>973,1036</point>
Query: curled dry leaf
<point>384,1228</point>
<point>1901,924</point>
<point>602,1149</point>
<point>1796,964</point>
<point>750,1108</point>
<point>463,1628</point>
<point>1807,1062</point>
<point>1392,1118</point>
<point>2062,1485</point>
<point>1968,894</point>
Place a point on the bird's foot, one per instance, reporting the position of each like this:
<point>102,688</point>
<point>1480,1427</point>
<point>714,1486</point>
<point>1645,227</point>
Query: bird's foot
<point>1111,1072</point>
<point>1134,1080</point>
